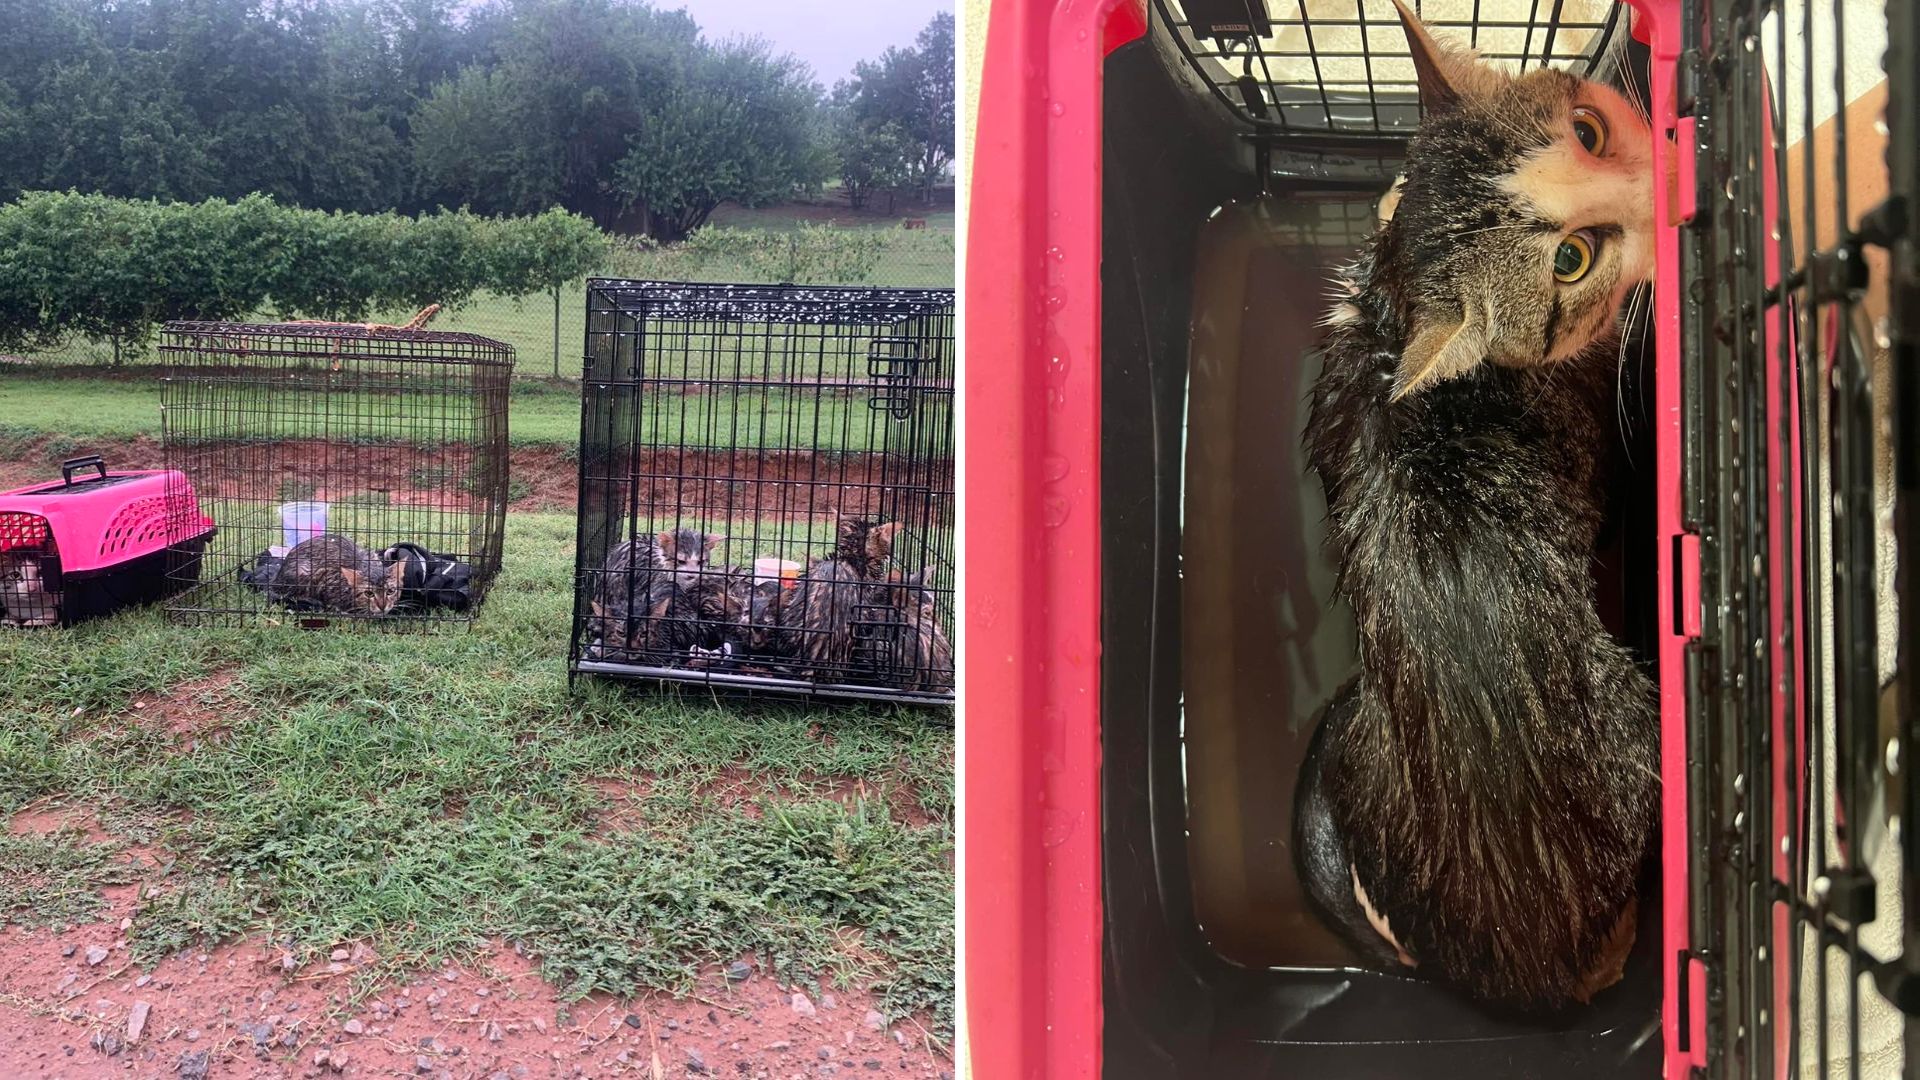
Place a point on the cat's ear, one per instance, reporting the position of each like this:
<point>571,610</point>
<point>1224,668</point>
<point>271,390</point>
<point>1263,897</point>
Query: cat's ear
<point>711,541</point>
<point>397,574</point>
<point>665,540</point>
<point>880,540</point>
<point>1444,74</point>
<point>1443,346</point>
<point>351,576</point>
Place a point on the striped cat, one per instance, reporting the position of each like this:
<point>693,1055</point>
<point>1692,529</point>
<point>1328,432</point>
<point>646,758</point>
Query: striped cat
<point>818,619</point>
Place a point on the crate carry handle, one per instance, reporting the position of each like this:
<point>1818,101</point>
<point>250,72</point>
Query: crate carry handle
<point>74,465</point>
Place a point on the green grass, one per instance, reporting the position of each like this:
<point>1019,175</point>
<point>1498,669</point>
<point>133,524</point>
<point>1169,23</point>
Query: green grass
<point>429,794</point>
<point>78,403</point>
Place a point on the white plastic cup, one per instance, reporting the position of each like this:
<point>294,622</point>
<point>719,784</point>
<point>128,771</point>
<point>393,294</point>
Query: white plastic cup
<point>780,570</point>
<point>302,521</point>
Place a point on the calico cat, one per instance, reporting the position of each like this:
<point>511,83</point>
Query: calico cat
<point>623,588</point>
<point>26,598</point>
<point>1477,803</point>
<point>332,573</point>
<point>819,617</point>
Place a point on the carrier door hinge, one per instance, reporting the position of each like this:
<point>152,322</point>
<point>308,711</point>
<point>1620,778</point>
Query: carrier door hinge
<point>1683,196</point>
<point>1686,585</point>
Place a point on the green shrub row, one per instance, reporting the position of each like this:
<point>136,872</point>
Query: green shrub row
<point>116,268</point>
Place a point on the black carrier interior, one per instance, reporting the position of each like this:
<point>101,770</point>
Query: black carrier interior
<point>1230,193</point>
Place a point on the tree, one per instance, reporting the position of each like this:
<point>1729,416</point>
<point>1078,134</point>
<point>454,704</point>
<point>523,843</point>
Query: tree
<point>738,128</point>
<point>868,157</point>
<point>912,90</point>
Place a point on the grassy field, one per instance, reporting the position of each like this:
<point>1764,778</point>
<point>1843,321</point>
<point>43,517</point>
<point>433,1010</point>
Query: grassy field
<point>427,795</point>
<point>79,403</point>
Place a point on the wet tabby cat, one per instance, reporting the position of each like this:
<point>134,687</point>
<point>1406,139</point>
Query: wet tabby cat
<point>623,589</point>
<point>1478,802</point>
<point>332,573</point>
<point>818,617</point>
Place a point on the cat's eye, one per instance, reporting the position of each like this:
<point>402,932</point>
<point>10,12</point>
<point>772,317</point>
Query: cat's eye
<point>1575,257</point>
<point>1591,130</point>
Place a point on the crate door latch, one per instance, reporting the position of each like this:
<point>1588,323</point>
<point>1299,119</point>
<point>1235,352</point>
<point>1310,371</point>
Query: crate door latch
<point>894,366</point>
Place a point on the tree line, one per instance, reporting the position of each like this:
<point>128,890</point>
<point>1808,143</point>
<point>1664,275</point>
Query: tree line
<point>616,110</point>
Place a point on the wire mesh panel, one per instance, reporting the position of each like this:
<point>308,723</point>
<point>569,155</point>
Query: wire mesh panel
<point>766,488</point>
<point>1794,745</point>
<point>1340,69</point>
<point>357,475</point>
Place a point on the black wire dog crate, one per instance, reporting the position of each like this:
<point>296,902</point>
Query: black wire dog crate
<point>1245,150</point>
<point>357,473</point>
<point>767,489</point>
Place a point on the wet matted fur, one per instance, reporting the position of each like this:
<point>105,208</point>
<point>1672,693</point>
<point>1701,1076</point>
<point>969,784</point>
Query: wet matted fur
<point>1487,787</point>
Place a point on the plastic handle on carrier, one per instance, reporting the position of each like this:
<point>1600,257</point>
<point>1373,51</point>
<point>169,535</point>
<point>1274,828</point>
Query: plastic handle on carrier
<point>73,465</point>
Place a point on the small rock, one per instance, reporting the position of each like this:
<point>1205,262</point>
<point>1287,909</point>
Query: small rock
<point>95,954</point>
<point>828,1001</point>
<point>287,962</point>
<point>193,1034</point>
<point>874,1021</point>
<point>337,1060</point>
<point>900,1037</point>
<point>696,1061</point>
<point>65,981</point>
<point>66,950</point>
<point>826,1053</point>
<point>137,1020</point>
<point>354,1027</point>
<point>320,1057</point>
<point>738,971</point>
<point>126,924</point>
<point>632,1021</point>
<point>871,1063</point>
<point>781,1045</point>
<point>448,976</point>
<point>141,982</point>
<point>539,1025</point>
<point>802,1005</point>
<point>673,1025</point>
<point>493,1032</point>
<point>423,1064</point>
<point>193,1065</point>
<point>338,955</point>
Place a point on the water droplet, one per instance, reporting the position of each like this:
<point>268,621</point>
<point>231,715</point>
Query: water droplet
<point>1080,34</point>
<point>1893,756</point>
<point>1054,510</point>
<point>1880,126</point>
<point>1056,254</point>
<point>1731,187</point>
<point>1056,298</point>
<point>1053,467</point>
<point>1058,109</point>
<point>1881,336</point>
<point>1749,42</point>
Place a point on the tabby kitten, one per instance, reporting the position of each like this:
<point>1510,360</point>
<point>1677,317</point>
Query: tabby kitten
<point>332,573</point>
<point>622,588</point>
<point>818,617</point>
<point>922,649</point>
<point>695,624</point>
<point>25,597</point>
<point>1477,803</point>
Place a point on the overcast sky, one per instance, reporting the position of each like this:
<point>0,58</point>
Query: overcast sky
<point>830,35</point>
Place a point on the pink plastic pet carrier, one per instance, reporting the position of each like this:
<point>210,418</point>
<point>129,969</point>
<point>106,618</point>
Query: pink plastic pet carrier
<point>96,541</point>
<point>1160,190</point>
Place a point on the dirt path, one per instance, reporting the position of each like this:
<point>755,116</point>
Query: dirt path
<point>75,1005</point>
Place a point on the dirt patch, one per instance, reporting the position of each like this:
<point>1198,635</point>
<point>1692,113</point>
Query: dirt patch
<point>689,482</point>
<point>44,817</point>
<point>250,1010</point>
<point>192,710</point>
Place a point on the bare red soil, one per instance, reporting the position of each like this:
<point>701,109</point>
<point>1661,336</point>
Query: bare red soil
<point>75,1005</point>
